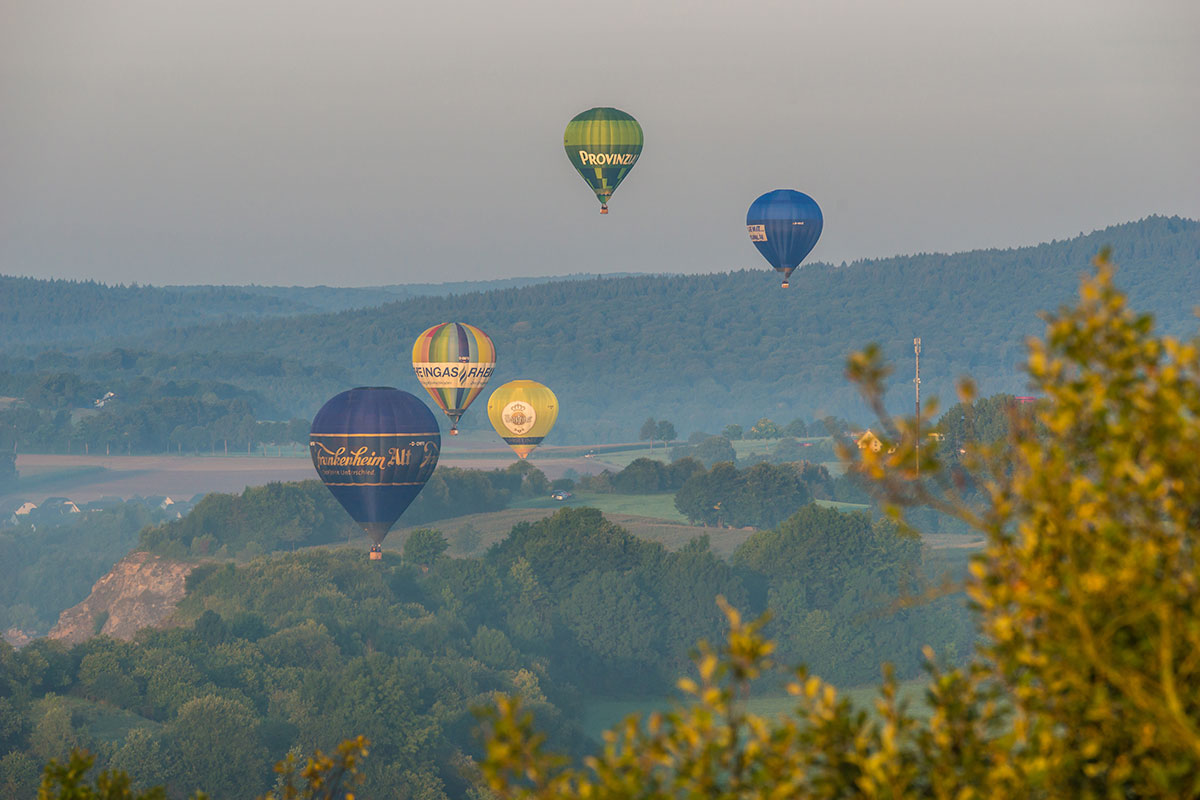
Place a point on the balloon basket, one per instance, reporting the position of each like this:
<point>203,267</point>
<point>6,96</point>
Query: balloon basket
<point>603,209</point>
<point>376,555</point>
<point>454,431</point>
<point>783,285</point>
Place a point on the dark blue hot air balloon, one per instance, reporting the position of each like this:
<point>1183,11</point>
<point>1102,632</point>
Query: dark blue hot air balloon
<point>784,225</point>
<point>375,447</point>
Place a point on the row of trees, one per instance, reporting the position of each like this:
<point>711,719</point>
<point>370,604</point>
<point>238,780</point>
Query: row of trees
<point>759,496</point>
<point>205,424</point>
<point>766,428</point>
<point>660,430</point>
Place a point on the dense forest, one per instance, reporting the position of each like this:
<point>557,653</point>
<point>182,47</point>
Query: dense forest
<point>706,350</point>
<point>295,650</point>
<point>119,410</point>
<point>36,313</point>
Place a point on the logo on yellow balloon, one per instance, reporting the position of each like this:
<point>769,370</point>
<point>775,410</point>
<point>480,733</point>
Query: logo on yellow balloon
<point>518,417</point>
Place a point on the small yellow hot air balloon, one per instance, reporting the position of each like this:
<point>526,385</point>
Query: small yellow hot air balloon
<point>523,412</point>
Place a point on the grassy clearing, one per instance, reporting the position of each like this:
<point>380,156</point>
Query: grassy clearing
<point>655,506</point>
<point>617,460</point>
<point>652,517</point>
<point>753,447</point>
<point>620,456</point>
<point>843,506</point>
<point>602,715</point>
<point>103,722</point>
<point>473,534</point>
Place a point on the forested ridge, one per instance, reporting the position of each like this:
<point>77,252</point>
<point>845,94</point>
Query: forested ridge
<point>707,350</point>
<point>35,313</point>
<point>40,312</point>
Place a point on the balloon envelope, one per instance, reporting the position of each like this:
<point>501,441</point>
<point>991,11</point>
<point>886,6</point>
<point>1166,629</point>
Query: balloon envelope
<point>603,144</point>
<point>523,412</point>
<point>784,225</point>
<point>375,447</point>
<point>453,361</point>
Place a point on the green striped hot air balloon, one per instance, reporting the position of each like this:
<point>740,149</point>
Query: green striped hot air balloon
<point>603,144</point>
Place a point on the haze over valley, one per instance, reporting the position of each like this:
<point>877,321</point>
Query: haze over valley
<point>826,398</point>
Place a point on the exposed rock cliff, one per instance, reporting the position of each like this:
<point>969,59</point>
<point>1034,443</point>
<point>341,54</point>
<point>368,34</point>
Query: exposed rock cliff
<point>16,637</point>
<point>140,591</point>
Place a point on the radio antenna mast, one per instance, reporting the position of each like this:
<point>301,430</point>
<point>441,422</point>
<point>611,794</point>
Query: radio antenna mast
<point>917,383</point>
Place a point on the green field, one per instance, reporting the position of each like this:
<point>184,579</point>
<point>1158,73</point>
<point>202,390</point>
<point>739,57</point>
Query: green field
<point>602,715</point>
<point>619,459</point>
<point>620,456</point>
<point>30,478</point>
<point>655,506</point>
<point>487,529</point>
<point>843,506</point>
<point>652,517</point>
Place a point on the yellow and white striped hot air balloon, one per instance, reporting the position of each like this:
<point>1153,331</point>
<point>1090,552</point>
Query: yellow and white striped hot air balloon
<point>453,361</point>
<point>523,412</point>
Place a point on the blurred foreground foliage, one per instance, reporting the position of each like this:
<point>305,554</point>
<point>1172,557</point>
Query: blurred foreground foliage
<point>1085,681</point>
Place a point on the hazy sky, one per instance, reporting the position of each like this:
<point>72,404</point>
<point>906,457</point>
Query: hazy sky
<point>368,142</point>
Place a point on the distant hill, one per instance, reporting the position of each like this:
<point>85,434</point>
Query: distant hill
<point>38,313</point>
<point>56,312</point>
<point>332,298</point>
<point>705,350</point>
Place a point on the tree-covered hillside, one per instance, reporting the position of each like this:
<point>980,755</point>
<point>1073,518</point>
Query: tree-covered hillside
<point>36,313</point>
<point>707,350</point>
<point>734,346</point>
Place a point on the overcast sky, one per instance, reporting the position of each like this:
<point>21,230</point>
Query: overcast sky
<point>370,142</point>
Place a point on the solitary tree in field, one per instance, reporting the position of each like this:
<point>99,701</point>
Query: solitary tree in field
<point>796,428</point>
<point>664,431</point>
<point>649,431</point>
<point>764,429</point>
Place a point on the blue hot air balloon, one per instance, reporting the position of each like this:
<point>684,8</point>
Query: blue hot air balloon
<point>784,225</point>
<point>375,447</point>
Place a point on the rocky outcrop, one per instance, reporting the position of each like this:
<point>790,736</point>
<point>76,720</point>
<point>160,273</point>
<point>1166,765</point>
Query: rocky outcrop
<point>16,637</point>
<point>140,591</point>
